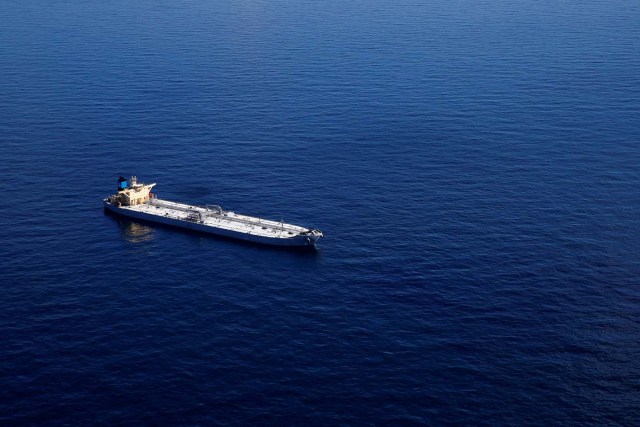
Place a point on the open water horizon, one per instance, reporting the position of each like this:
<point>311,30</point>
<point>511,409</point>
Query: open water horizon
<point>474,166</point>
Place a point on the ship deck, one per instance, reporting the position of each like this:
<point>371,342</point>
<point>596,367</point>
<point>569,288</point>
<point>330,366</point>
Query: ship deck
<point>217,218</point>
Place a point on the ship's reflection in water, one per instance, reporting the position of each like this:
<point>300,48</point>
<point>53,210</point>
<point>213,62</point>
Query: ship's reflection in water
<point>134,232</point>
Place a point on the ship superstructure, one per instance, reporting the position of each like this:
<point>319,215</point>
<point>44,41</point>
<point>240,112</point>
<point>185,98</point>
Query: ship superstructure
<point>136,200</point>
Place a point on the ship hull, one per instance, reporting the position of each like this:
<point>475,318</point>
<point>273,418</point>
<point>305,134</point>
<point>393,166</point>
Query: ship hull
<point>294,241</point>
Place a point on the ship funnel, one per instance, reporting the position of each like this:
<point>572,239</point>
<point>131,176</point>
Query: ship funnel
<point>122,183</point>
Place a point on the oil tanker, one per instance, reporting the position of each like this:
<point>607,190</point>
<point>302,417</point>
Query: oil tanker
<point>135,200</point>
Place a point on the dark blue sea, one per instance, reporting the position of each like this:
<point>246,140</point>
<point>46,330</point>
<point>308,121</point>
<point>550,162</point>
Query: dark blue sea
<point>474,166</point>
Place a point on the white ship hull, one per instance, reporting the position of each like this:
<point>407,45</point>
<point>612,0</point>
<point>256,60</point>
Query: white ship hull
<point>218,222</point>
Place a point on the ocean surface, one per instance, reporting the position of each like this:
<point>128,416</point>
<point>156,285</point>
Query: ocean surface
<point>474,166</point>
